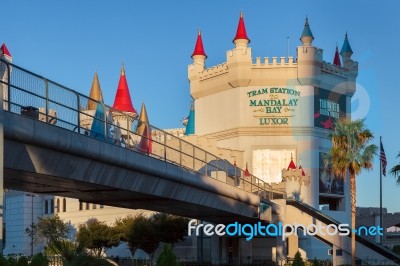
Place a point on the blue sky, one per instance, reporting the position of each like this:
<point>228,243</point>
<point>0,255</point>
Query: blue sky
<point>67,41</point>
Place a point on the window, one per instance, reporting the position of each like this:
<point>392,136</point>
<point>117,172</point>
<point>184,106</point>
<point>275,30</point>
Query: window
<point>52,206</point>
<point>87,205</point>
<point>46,207</point>
<point>64,205</point>
<point>268,163</point>
<point>94,206</point>
<point>58,205</point>
<point>101,206</point>
<point>80,205</point>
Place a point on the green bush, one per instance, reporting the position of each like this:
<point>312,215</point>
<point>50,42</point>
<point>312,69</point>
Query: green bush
<point>3,261</point>
<point>22,261</point>
<point>298,260</point>
<point>315,262</point>
<point>167,257</point>
<point>11,261</point>
<point>39,260</point>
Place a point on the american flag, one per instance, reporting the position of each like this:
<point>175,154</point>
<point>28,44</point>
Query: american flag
<point>382,158</point>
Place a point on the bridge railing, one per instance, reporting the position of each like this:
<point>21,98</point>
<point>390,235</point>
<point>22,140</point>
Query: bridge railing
<point>32,95</point>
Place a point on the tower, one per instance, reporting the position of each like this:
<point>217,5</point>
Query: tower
<point>143,129</point>
<point>239,59</point>
<point>194,70</point>
<point>190,126</point>
<point>5,72</point>
<point>336,59</point>
<point>309,58</point>
<point>124,113</point>
<point>89,110</point>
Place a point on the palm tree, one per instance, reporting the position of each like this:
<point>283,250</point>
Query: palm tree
<point>396,171</point>
<point>349,155</point>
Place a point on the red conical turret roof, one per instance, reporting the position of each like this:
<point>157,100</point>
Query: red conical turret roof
<point>246,172</point>
<point>302,170</point>
<point>123,100</point>
<point>241,30</point>
<point>5,51</point>
<point>336,59</point>
<point>199,49</point>
<point>291,164</point>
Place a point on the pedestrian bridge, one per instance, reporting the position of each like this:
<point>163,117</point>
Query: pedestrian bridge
<point>50,148</point>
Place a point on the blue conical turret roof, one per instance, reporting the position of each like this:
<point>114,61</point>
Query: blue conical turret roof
<point>307,31</point>
<point>346,48</point>
<point>190,129</point>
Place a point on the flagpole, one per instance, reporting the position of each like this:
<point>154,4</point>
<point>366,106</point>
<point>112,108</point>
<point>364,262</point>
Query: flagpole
<point>380,193</point>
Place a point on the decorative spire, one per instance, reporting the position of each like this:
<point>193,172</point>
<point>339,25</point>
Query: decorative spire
<point>143,129</point>
<point>302,170</point>
<point>346,48</point>
<point>4,50</point>
<point>123,100</point>
<point>336,59</point>
<point>97,128</point>
<point>199,49</point>
<point>291,164</point>
<point>95,93</point>
<point>190,126</point>
<point>143,121</point>
<point>307,36</point>
<point>246,172</point>
<point>241,30</point>
<point>146,143</point>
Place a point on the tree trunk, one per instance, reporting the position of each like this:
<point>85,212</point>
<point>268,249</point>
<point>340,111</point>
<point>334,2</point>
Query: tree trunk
<point>353,217</point>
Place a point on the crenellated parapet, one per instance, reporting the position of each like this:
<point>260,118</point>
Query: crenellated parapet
<point>214,71</point>
<point>295,176</point>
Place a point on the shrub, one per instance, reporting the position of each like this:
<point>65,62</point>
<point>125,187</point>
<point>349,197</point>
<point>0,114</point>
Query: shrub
<point>167,257</point>
<point>39,260</point>
<point>298,260</point>
<point>22,261</point>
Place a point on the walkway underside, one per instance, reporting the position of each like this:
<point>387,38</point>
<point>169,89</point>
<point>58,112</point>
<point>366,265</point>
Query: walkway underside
<point>67,164</point>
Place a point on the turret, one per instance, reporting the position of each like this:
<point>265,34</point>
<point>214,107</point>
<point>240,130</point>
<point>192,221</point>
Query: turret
<point>351,66</point>
<point>239,59</point>
<point>96,96</point>
<point>124,113</point>
<point>296,181</point>
<point>241,38</point>
<point>95,93</point>
<point>307,36</point>
<point>190,125</point>
<point>195,69</point>
<point>336,59</point>
<point>346,53</point>
<point>199,56</point>
<point>309,58</point>
<point>6,56</point>
<point>143,130</point>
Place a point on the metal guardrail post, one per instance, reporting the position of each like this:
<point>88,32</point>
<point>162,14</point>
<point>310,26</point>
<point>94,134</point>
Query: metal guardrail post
<point>8,87</point>
<point>105,121</point>
<point>180,152</point>
<point>205,157</point>
<point>128,135</point>
<point>194,159</point>
<point>46,84</point>
<point>78,103</point>
<point>165,146</point>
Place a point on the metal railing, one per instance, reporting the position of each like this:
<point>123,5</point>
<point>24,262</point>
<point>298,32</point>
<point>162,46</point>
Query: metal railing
<point>390,255</point>
<point>32,95</point>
